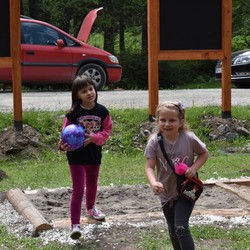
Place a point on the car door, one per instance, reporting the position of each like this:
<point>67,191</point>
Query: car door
<point>42,59</point>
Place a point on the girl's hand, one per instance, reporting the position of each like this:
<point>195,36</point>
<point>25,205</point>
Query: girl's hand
<point>190,172</point>
<point>157,188</point>
<point>64,146</point>
<point>88,139</point>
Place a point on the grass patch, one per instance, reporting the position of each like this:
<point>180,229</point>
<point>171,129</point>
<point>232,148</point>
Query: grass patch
<point>205,238</point>
<point>120,158</point>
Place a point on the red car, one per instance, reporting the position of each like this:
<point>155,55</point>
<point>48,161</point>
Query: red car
<point>51,56</point>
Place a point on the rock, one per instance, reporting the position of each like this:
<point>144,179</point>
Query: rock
<point>242,131</point>
<point>25,142</point>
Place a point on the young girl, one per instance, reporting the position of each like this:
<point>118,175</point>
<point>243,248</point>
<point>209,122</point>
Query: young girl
<point>85,162</point>
<point>180,146</point>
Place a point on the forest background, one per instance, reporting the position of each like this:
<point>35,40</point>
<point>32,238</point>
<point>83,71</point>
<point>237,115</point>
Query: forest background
<point>121,29</point>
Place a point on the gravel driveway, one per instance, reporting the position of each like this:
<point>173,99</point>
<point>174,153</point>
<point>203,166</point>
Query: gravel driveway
<point>52,101</point>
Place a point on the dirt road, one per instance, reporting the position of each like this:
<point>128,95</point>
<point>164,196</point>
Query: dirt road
<point>52,101</point>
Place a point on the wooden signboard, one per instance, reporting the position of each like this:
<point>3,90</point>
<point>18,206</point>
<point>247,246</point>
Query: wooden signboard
<point>10,52</point>
<point>5,29</point>
<point>189,30</point>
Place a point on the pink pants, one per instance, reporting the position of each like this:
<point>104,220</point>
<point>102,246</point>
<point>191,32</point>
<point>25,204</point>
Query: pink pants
<point>80,175</point>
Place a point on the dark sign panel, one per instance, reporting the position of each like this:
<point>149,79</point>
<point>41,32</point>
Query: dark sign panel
<point>4,28</point>
<point>190,24</point>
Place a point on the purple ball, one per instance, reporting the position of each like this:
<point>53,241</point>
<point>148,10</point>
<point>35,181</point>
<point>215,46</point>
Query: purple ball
<point>73,135</point>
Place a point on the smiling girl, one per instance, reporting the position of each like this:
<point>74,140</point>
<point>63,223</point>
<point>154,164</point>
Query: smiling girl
<point>181,145</point>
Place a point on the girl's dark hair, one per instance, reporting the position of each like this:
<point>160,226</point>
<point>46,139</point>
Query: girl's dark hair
<point>80,82</point>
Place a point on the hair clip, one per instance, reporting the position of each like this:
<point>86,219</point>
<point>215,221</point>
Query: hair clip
<point>181,105</point>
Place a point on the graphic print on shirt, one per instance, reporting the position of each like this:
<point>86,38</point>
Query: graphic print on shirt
<point>91,123</point>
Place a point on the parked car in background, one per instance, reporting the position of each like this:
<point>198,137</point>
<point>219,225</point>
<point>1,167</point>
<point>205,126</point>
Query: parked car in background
<point>240,68</point>
<point>51,56</point>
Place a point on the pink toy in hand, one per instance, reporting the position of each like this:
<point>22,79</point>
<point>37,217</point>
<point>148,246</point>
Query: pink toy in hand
<point>180,168</point>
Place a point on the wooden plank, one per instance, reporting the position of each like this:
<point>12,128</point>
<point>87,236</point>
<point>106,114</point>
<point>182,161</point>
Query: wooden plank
<point>223,212</point>
<point>5,62</point>
<point>26,208</point>
<point>190,55</point>
<point>241,192</point>
<point>142,217</point>
<point>241,181</point>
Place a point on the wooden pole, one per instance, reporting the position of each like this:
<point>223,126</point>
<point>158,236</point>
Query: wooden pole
<point>153,51</point>
<point>16,62</point>
<point>26,208</point>
<point>226,62</point>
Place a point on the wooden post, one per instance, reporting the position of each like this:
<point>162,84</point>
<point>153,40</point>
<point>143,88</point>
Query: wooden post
<point>153,50</point>
<point>226,61</point>
<point>26,208</point>
<point>16,62</point>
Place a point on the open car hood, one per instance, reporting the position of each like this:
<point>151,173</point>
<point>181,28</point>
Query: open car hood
<point>87,25</point>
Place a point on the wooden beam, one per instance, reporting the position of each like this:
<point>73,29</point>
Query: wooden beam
<point>5,62</point>
<point>190,55</point>
<point>226,61</point>
<point>16,62</point>
<point>153,50</point>
<point>137,218</point>
<point>243,193</point>
<point>26,208</point>
<point>239,181</point>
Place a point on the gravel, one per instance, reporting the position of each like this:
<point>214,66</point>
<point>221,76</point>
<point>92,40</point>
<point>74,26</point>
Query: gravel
<point>53,101</point>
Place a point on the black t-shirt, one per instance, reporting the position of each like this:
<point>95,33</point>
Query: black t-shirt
<point>91,120</point>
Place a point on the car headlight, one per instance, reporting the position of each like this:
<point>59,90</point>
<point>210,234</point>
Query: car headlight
<point>242,59</point>
<point>113,59</point>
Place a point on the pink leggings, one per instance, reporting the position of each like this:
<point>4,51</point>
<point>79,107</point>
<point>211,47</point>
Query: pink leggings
<point>80,175</point>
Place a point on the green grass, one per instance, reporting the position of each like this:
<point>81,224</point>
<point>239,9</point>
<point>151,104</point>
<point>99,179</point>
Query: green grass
<point>217,237</point>
<point>123,163</point>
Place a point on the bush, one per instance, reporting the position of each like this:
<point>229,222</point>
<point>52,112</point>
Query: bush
<point>171,73</point>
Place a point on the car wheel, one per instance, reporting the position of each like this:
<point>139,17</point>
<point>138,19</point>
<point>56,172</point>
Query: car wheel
<point>96,72</point>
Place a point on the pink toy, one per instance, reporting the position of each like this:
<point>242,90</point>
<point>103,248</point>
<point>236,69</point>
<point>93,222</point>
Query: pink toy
<point>180,168</point>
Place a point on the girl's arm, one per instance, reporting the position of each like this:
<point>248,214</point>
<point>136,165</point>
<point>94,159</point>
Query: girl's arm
<point>200,160</point>
<point>101,137</point>
<point>66,122</point>
<point>156,186</point>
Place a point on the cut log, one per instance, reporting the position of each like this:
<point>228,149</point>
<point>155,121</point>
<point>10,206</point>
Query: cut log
<point>26,208</point>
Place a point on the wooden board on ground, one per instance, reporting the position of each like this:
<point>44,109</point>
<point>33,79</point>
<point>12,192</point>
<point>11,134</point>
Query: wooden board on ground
<point>241,181</point>
<point>243,191</point>
<point>142,217</point>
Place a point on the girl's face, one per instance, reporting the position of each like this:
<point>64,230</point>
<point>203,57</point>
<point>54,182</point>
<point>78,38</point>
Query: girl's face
<point>169,122</point>
<point>87,95</point>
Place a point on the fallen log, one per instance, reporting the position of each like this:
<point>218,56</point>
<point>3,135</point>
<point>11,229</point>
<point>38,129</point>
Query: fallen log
<point>26,208</point>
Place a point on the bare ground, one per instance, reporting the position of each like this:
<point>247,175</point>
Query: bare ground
<point>133,211</point>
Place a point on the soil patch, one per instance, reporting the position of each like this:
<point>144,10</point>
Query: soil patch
<point>135,199</point>
<point>133,211</point>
